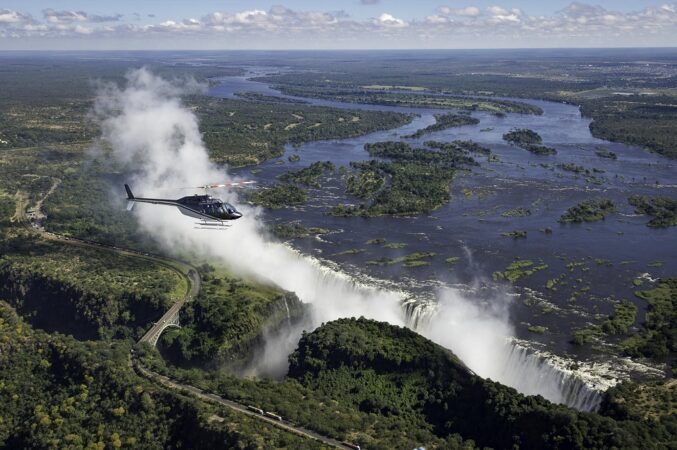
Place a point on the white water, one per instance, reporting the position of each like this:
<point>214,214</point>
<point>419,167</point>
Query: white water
<point>532,374</point>
<point>286,307</point>
<point>147,127</point>
<point>479,333</point>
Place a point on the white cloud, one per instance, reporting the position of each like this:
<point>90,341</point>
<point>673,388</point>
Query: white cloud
<point>436,19</point>
<point>502,15</point>
<point>388,20</point>
<point>79,29</point>
<point>468,11</point>
<point>578,23</point>
<point>8,16</point>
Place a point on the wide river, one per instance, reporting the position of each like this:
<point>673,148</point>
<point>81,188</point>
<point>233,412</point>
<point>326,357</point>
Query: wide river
<point>594,264</point>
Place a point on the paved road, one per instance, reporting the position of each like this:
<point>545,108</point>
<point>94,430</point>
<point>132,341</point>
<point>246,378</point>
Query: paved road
<point>195,284</point>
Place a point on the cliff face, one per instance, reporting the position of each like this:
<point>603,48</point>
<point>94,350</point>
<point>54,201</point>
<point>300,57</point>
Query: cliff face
<point>283,311</point>
<point>226,329</point>
<point>388,370</point>
<point>54,305</point>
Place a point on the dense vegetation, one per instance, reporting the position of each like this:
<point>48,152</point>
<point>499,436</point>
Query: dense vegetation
<point>640,120</point>
<point>57,392</point>
<point>658,338</point>
<point>93,294</point>
<point>416,180</point>
<point>588,211</point>
<point>662,210</point>
<point>258,97</point>
<point>623,317</point>
<point>86,292</point>
<point>224,324</point>
<point>520,268</point>
<point>391,371</point>
<point>243,133</point>
<point>517,212</point>
<point>649,402</point>
<point>403,99</point>
<point>620,109</point>
<point>522,136</point>
<point>310,175</point>
<point>296,230</point>
<point>528,140</point>
<point>366,183</point>
<point>469,146</point>
<point>444,121</point>
<point>279,196</point>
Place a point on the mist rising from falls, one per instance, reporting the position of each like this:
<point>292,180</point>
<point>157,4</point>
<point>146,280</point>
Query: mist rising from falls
<point>478,333</point>
<point>148,128</point>
<point>533,374</point>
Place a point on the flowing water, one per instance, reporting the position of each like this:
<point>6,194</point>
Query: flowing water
<point>602,257</point>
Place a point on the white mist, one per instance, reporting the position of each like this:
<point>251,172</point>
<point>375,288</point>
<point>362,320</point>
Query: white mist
<point>149,129</point>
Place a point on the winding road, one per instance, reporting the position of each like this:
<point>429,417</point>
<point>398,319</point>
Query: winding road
<point>33,221</point>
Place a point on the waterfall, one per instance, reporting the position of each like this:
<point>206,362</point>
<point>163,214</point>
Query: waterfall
<point>286,306</point>
<point>417,313</point>
<point>477,335</point>
<point>512,364</point>
<point>532,374</point>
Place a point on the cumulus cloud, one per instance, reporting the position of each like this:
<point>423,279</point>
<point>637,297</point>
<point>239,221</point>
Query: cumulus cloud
<point>502,15</point>
<point>279,26</point>
<point>7,16</point>
<point>388,20</point>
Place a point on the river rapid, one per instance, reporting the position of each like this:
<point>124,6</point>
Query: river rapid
<point>600,259</point>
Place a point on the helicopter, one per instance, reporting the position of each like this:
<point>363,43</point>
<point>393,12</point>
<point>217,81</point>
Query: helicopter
<point>211,211</point>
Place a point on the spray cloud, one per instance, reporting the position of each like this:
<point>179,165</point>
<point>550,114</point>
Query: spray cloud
<point>148,127</point>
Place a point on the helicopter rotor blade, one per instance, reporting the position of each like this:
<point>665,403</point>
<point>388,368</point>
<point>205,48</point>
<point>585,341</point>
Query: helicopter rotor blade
<point>237,184</point>
<point>230,184</point>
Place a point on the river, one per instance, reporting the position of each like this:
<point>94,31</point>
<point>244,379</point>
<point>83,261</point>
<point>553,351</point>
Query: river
<point>595,262</point>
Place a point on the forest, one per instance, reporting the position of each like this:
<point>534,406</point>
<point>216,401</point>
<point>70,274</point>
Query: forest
<point>658,337</point>
<point>662,210</point>
<point>280,195</point>
<point>588,211</point>
<point>404,99</point>
<point>388,370</point>
<point>310,175</point>
<point>244,133</point>
<point>381,386</point>
<point>636,108</point>
<point>223,326</point>
<point>91,293</point>
<point>415,180</point>
<point>444,121</point>
<point>529,140</point>
<point>640,120</point>
<point>58,392</point>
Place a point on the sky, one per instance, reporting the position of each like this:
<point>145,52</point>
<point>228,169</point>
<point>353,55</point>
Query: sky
<point>320,24</point>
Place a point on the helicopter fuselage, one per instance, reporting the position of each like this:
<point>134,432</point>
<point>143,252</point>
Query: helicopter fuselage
<point>204,207</point>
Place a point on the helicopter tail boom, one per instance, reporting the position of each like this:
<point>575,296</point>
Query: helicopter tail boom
<point>130,196</point>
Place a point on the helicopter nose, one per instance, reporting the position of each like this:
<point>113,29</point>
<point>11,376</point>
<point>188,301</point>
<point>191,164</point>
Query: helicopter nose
<point>237,215</point>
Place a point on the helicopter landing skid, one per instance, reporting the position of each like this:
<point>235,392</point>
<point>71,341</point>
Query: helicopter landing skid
<point>211,226</point>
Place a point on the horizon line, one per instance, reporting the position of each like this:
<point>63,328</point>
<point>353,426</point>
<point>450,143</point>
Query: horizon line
<point>666,47</point>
